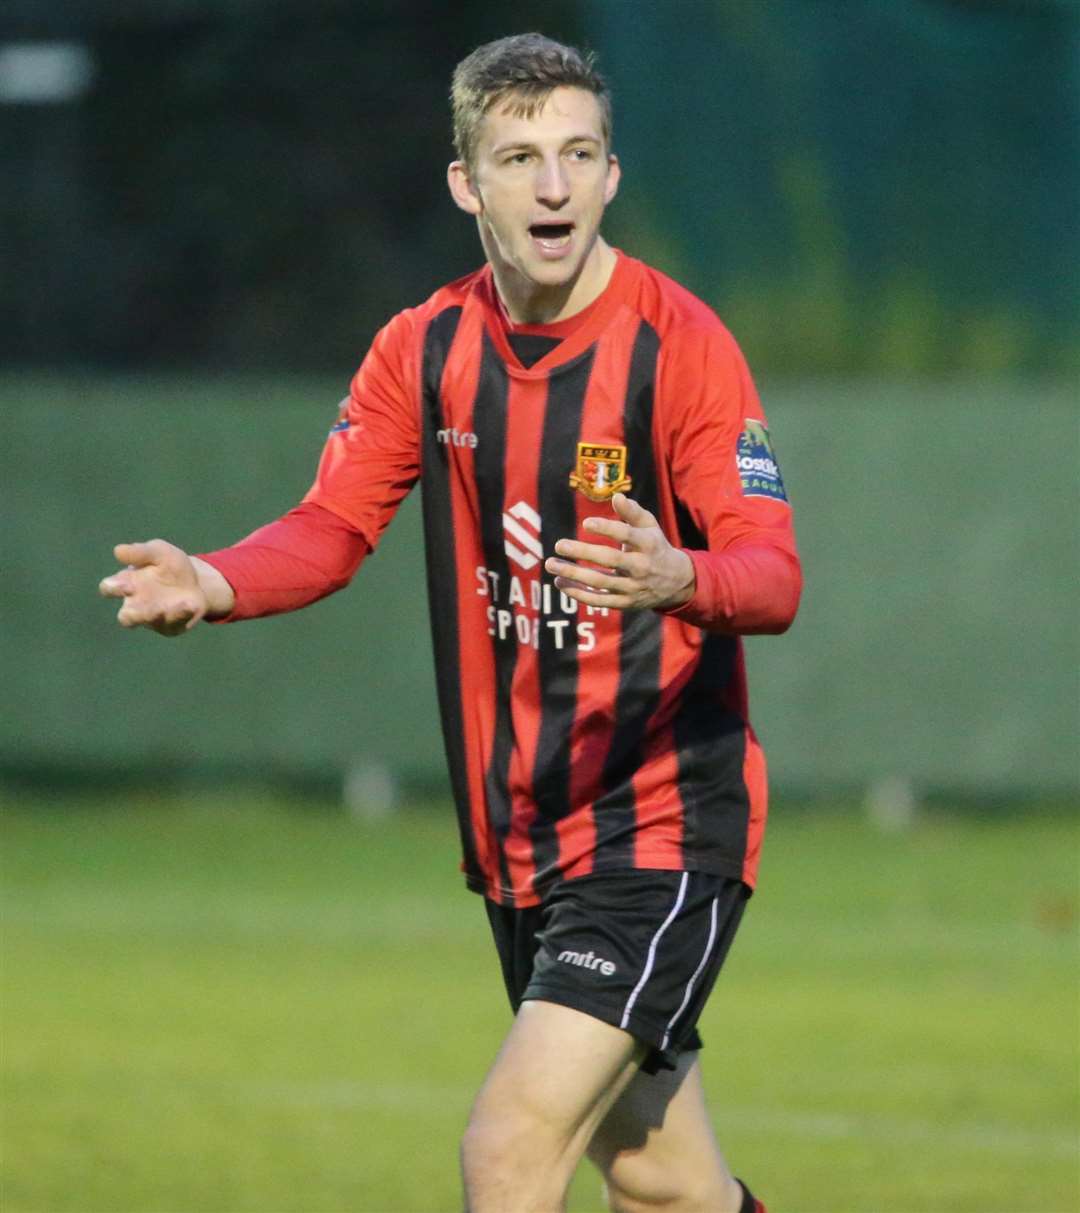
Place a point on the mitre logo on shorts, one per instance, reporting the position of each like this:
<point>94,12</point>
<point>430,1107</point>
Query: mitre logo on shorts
<point>601,471</point>
<point>758,469</point>
<point>521,527</point>
<point>587,960</point>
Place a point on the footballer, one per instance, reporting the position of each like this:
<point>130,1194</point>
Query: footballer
<point>604,519</point>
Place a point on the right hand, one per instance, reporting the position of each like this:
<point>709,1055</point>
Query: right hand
<point>160,588</point>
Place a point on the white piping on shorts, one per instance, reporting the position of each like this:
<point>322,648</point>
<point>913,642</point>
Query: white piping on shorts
<point>652,951</point>
<point>693,980</point>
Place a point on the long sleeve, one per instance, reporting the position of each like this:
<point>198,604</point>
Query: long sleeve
<point>725,475</point>
<point>749,589</point>
<point>289,563</point>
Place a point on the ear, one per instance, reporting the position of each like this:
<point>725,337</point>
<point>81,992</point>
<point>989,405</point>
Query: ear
<point>461,188</point>
<point>614,174</point>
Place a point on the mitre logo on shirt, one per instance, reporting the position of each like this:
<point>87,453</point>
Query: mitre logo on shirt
<point>756,460</point>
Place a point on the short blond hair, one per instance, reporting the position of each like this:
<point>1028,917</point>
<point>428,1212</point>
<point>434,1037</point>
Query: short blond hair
<point>527,68</point>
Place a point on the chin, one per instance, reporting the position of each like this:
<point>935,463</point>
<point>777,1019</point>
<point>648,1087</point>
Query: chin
<point>557,273</point>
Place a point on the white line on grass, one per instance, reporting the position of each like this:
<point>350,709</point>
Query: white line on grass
<point>1057,1142</point>
<point>973,1135</point>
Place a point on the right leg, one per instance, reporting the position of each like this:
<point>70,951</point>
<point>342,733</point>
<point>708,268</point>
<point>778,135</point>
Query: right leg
<point>555,1078</point>
<point>657,1151</point>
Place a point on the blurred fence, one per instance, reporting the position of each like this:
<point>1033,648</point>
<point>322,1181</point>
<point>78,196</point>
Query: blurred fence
<point>937,643</point>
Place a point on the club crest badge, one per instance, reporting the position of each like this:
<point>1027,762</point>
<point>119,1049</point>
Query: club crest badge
<point>600,472</point>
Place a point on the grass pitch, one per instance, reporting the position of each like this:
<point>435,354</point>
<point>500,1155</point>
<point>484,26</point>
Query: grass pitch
<point>222,1005</point>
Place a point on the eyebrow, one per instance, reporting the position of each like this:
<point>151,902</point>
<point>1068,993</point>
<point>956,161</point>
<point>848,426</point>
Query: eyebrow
<point>527,145</point>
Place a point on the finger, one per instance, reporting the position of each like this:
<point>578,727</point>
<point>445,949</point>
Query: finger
<point>138,554</point>
<point>597,553</point>
<point>618,602</point>
<point>633,513</point>
<point>593,578</point>
<point>621,562</point>
<point>119,585</point>
<point>181,614</point>
<point>169,629</point>
<point>130,616</point>
<point>642,537</point>
<point>611,527</point>
<point>135,613</point>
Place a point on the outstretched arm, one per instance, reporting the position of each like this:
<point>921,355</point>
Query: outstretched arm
<point>283,566</point>
<point>165,589</point>
<point>369,462</point>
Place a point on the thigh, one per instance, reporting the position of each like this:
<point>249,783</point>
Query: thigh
<point>556,1076</point>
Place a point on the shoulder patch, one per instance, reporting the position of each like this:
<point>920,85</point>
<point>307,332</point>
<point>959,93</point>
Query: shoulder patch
<point>756,460</point>
<point>342,422</point>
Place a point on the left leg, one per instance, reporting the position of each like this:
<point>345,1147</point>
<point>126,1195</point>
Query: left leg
<point>557,1075</point>
<point>657,1151</point>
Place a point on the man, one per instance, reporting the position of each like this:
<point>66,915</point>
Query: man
<point>603,518</point>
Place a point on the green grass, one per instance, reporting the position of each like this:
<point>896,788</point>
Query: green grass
<point>220,1005</point>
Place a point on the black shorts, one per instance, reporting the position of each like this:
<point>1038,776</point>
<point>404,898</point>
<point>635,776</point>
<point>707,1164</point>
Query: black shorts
<point>638,949</point>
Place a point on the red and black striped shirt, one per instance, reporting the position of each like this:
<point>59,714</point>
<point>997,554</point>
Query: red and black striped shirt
<point>578,739</point>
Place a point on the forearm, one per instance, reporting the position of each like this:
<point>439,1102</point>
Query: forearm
<point>287,564</point>
<point>747,589</point>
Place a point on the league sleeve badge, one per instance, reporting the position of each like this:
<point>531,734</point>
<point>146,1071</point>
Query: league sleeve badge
<point>600,472</point>
<point>756,460</point>
<point>342,422</point>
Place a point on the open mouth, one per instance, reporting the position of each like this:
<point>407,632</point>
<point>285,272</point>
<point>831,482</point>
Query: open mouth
<point>551,236</point>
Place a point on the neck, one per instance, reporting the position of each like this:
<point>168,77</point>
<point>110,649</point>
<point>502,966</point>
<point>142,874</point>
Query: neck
<point>528,302</point>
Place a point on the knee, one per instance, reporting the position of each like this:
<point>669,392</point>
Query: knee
<point>508,1162</point>
<point>488,1145</point>
<point>640,1190</point>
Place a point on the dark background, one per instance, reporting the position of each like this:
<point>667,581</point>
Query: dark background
<point>858,185</point>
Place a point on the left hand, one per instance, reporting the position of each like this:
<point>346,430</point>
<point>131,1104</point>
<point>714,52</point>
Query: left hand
<point>644,572</point>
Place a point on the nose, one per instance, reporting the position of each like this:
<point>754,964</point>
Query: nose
<point>552,185</point>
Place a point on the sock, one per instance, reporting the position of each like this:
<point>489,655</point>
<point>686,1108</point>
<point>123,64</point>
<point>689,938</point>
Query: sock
<point>749,1204</point>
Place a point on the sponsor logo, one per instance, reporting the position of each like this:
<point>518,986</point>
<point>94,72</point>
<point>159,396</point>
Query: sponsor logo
<point>456,437</point>
<point>600,472</point>
<point>521,524</point>
<point>524,607</point>
<point>587,960</point>
<point>758,470</point>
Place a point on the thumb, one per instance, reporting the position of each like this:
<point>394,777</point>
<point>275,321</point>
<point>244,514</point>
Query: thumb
<point>139,554</point>
<point>631,512</point>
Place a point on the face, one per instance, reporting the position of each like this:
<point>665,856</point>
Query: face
<point>538,187</point>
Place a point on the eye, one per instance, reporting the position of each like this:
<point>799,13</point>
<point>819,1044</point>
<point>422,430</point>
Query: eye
<point>518,158</point>
<point>581,154</point>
